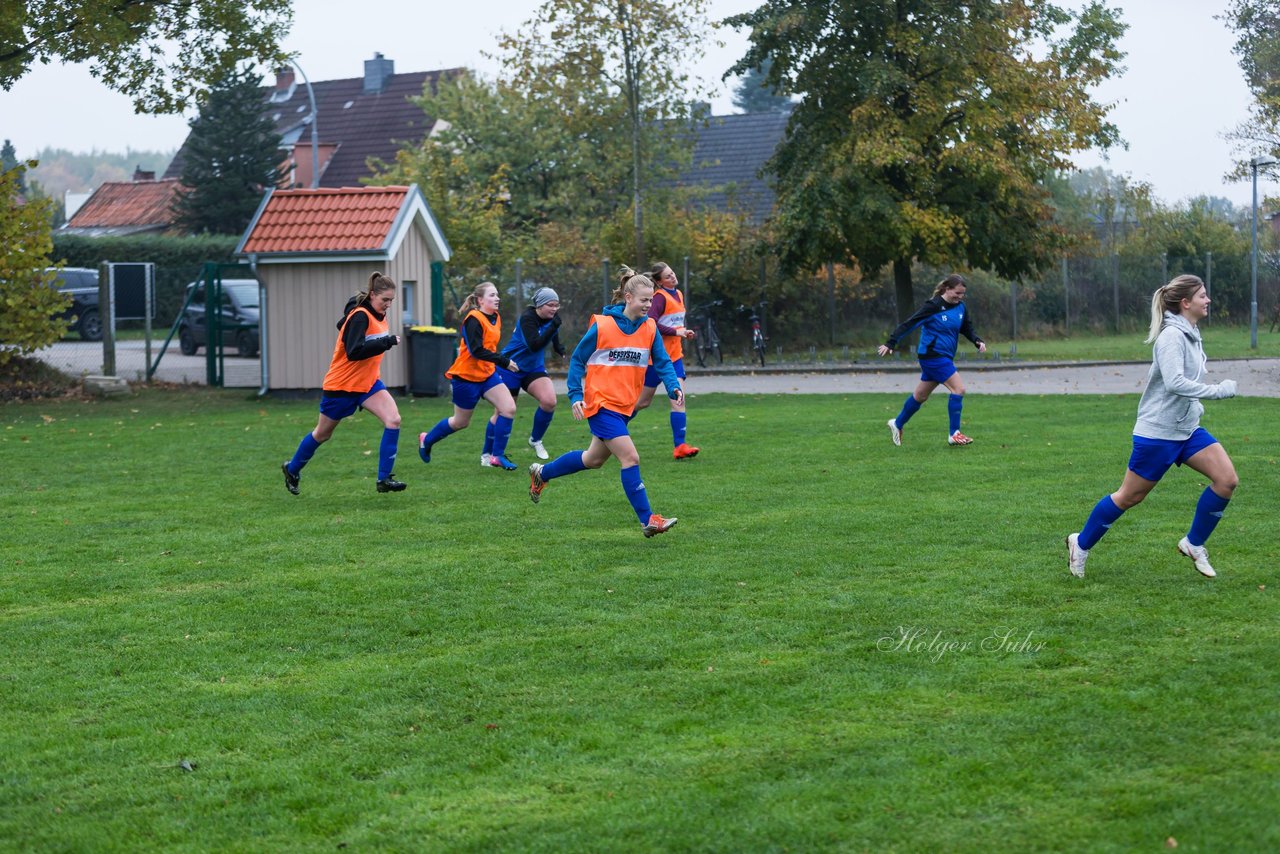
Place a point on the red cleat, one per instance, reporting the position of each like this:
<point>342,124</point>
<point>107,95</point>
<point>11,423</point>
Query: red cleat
<point>685,451</point>
<point>657,525</point>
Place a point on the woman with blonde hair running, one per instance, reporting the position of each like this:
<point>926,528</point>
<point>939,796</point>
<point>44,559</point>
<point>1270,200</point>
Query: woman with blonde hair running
<point>606,374</point>
<point>1168,430</point>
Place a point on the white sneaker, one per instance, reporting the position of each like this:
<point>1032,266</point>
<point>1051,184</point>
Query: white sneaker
<point>540,451</point>
<point>894,432</point>
<point>486,460</point>
<point>1199,554</point>
<point>1076,556</point>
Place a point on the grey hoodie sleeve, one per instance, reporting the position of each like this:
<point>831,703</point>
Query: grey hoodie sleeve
<point>1171,358</point>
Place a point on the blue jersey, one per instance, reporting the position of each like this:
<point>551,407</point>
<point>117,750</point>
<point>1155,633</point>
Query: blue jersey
<point>941,324</point>
<point>531,359</point>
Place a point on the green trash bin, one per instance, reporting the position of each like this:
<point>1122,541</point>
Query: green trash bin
<point>431,352</point>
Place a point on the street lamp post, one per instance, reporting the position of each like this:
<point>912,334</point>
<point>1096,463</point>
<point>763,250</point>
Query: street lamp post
<point>315,130</point>
<point>1254,164</point>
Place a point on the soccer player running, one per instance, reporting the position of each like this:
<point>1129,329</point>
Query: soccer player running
<point>472,375</point>
<point>1168,430</point>
<point>538,327</point>
<point>352,382</point>
<point>667,310</point>
<point>606,374</point>
<point>944,319</point>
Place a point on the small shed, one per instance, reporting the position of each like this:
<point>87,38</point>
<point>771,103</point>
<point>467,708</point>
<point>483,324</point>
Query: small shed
<point>314,249</point>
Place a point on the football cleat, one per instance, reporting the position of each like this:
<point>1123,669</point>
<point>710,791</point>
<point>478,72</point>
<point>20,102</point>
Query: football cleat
<point>500,461</point>
<point>895,432</point>
<point>486,460</point>
<point>1076,556</point>
<point>685,451</point>
<point>424,450</point>
<point>958,438</point>
<point>658,525</point>
<point>390,484</point>
<point>536,483</point>
<point>1199,554</point>
<point>538,449</point>
<point>290,479</point>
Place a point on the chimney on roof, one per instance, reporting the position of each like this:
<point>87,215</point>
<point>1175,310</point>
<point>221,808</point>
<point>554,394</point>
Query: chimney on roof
<point>377,72</point>
<point>141,175</point>
<point>284,79</point>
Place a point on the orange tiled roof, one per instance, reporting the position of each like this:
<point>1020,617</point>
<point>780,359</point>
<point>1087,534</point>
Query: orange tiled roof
<point>349,219</point>
<point>117,204</point>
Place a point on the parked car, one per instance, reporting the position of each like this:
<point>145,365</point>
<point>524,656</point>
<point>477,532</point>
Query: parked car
<point>82,315</point>
<point>239,318</point>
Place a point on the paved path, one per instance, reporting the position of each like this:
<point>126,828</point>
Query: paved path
<point>1256,377</point>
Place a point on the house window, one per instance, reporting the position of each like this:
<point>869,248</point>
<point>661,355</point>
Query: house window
<point>406,301</point>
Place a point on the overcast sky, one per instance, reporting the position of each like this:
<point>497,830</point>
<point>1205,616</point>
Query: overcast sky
<point>1182,89</point>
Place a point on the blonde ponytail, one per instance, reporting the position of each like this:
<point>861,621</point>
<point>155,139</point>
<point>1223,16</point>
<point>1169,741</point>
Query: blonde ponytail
<point>1169,298</point>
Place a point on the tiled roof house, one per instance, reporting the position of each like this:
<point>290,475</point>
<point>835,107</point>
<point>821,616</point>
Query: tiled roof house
<point>729,153</point>
<point>313,249</point>
<point>357,118</point>
<point>125,207</point>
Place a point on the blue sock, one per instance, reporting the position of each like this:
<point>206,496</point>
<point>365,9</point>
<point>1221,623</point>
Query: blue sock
<point>541,421</point>
<point>306,448</point>
<point>569,462</point>
<point>438,432</point>
<point>488,437</point>
<point>955,403</point>
<point>501,434</point>
<point>1208,513</point>
<point>911,407</point>
<point>1104,514</point>
<point>634,488</point>
<point>387,452</point>
<point>679,421</point>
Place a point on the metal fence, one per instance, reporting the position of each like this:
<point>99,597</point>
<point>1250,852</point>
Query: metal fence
<point>837,311</point>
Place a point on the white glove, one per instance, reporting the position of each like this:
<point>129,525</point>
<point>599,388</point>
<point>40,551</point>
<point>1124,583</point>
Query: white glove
<point>1227,388</point>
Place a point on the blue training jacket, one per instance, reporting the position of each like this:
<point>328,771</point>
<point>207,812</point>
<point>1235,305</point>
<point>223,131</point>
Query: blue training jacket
<point>942,323</point>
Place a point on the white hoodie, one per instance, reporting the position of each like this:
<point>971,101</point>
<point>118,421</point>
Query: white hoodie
<point>1170,407</point>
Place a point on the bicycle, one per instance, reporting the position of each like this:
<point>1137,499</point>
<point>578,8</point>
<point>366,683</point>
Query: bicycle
<point>757,334</point>
<point>706,340</point>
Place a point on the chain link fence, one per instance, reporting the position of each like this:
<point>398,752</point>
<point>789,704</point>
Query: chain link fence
<point>839,314</point>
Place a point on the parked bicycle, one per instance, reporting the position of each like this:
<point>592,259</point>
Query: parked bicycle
<point>706,340</point>
<point>757,333</point>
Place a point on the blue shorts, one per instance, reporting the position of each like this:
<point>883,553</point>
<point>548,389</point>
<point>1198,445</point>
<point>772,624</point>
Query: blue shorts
<point>515,382</point>
<point>607,424</point>
<point>339,408</point>
<point>651,379</point>
<point>937,369</point>
<point>467,394</point>
<point>1151,458</point>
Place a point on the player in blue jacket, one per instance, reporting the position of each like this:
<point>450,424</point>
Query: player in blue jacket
<point>943,320</point>
<point>537,328</point>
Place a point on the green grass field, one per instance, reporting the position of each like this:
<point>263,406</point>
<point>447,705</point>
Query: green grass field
<point>843,645</point>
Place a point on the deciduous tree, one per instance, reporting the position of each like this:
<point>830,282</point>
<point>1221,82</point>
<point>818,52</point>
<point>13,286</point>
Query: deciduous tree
<point>161,53</point>
<point>29,304</point>
<point>925,127</point>
<point>1256,24</point>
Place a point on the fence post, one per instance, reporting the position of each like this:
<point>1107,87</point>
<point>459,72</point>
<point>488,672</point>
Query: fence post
<point>831,299</point>
<point>1066,295</point>
<point>688,300</point>
<point>107,316</point>
<point>1208,273</point>
<point>519,288</point>
<point>1164,268</point>
<point>1013,301</point>
<point>606,282</point>
<point>1115,286</point>
<point>148,283</point>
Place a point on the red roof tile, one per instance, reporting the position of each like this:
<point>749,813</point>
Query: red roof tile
<point>118,204</point>
<point>350,219</point>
